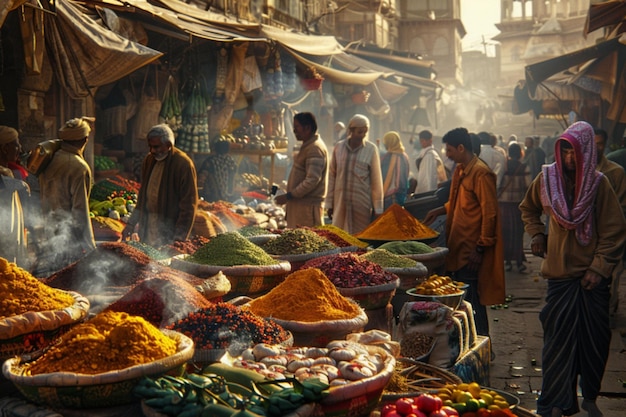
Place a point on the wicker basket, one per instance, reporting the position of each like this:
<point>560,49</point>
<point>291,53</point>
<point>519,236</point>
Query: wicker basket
<point>244,279</point>
<point>320,333</point>
<point>432,260</point>
<point>371,297</point>
<point>410,277</point>
<point>72,390</point>
<point>359,398</point>
<point>32,331</point>
<point>297,261</point>
<point>421,377</point>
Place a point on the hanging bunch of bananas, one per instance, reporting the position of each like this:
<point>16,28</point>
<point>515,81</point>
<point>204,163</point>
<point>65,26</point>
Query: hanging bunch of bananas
<point>170,105</point>
<point>193,134</point>
<point>254,181</point>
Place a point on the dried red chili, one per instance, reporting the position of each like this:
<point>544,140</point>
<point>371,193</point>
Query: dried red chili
<point>349,270</point>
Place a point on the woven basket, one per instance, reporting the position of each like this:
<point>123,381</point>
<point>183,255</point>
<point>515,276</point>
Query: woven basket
<point>432,260</point>
<point>72,390</point>
<point>32,331</point>
<point>410,277</point>
<point>297,261</point>
<point>320,333</point>
<point>371,297</point>
<point>359,398</point>
<point>421,377</point>
<point>244,279</point>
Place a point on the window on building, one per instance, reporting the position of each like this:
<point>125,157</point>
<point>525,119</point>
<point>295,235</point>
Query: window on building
<point>441,47</point>
<point>418,46</point>
<point>425,5</point>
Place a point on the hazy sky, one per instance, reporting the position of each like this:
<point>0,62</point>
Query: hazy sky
<point>478,17</point>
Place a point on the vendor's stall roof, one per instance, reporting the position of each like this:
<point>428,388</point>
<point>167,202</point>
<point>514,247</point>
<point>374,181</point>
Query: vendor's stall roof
<point>306,44</point>
<point>392,59</point>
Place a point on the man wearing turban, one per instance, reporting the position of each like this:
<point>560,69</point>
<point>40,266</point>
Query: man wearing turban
<point>586,230</point>
<point>65,186</point>
<point>13,243</point>
<point>168,197</point>
<point>355,183</point>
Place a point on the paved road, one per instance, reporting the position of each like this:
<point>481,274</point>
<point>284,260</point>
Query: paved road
<point>516,336</point>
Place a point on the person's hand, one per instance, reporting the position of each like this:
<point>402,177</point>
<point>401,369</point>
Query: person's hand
<point>538,245</point>
<point>432,215</point>
<point>330,213</point>
<point>128,231</point>
<point>475,260</point>
<point>590,280</point>
<point>280,199</point>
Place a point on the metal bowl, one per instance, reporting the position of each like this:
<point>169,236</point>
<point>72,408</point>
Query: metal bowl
<point>451,300</point>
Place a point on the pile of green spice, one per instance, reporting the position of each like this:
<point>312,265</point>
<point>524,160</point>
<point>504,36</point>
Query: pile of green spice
<point>222,325</point>
<point>406,247</point>
<point>231,249</point>
<point>387,259</point>
<point>297,242</point>
<point>253,230</point>
<point>344,235</point>
<point>151,251</point>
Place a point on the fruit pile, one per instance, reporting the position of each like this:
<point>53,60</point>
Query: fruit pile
<point>463,400</point>
<point>439,285</point>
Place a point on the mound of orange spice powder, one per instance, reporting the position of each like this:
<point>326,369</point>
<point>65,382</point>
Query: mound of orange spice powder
<point>396,223</point>
<point>108,342</point>
<point>306,295</point>
<point>22,292</point>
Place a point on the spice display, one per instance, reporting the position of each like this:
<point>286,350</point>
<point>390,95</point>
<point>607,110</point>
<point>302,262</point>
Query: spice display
<point>407,247</point>
<point>221,325</point>
<point>349,270</point>
<point>331,237</point>
<point>396,223</point>
<point>161,301</point>
<point>387,259</point>
<point>22,292</point>
<point>151,251</point>
<point>224,211</point>
<point>298,242</point>
<point>231,249</point>
<point>305,295</point>
<point>344,235</point>
<point>112,264</point>
<point>186,247</point>
<point>108,342</point>
<point>253,230</point>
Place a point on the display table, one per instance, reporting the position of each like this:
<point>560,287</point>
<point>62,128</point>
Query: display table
<point>260,153</point>
<point>473,365</point>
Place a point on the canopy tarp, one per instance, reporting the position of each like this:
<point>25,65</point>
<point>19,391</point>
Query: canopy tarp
<point>6,6</point>
<point>306,44</point>
<point>87,55</point>
<point>607,13</point>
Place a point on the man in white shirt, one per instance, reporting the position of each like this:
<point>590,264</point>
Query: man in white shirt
<point>494,159</point>
<point>430,168</point>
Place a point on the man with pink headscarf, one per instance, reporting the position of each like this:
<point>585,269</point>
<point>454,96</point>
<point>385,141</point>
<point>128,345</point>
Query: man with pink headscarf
<point>586,232</point>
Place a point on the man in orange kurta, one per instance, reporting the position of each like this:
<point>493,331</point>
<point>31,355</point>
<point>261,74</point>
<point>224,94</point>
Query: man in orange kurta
<point>473,232</point>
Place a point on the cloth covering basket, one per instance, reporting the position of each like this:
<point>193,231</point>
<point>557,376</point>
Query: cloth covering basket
<point>244,279</point>
<point>371,297</point>
<point>33,331</point>
<point>320,333</point>
<point>73,390</point>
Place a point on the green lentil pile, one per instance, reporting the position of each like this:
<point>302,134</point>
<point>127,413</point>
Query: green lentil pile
<point>298,242</point>
<point>408,247</point>
<point>253,230</point>
<point>231,249</point>
<point>387,259</point>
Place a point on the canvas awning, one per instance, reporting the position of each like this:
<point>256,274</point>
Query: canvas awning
<point>87,55</point>
<point>306,44</point>
<point>607,13</point>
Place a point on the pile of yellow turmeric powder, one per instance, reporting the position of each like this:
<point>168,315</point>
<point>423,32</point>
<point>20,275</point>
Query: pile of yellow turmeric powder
<point>108,342</point>
<point>22,292</point>
<point>305,295</point>
<point>396,223</point>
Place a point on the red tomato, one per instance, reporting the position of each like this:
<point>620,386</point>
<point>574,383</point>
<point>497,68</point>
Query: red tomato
<point>387,408</point>
<point>394,413</point>
<point>438,413</point>
<point>428,403</point>
<point>404,406</point>
<point>450,412</point>
<point>417,411</point>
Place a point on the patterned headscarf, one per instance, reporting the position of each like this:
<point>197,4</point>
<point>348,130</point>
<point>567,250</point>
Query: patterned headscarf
<point>580,135</point>
<point>392,142</point>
